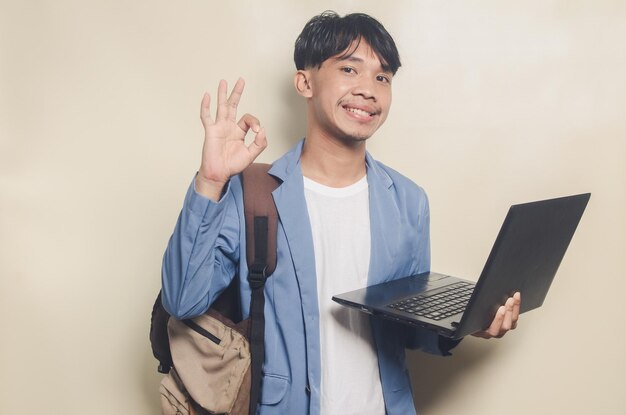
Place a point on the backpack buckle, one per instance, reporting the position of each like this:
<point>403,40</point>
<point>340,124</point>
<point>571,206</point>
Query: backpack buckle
<point>257,275</point>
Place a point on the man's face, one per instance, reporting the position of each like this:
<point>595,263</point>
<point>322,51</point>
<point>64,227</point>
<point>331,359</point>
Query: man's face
<point>350,96</point>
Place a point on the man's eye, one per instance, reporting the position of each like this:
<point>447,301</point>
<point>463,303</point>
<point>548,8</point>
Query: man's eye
<point>347,69</point>
<point>383,78</point>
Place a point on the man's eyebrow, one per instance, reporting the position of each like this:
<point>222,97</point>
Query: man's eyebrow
<point>350,58</point>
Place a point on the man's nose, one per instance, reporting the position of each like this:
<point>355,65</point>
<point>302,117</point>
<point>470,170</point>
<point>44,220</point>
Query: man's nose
<point>366,88</point>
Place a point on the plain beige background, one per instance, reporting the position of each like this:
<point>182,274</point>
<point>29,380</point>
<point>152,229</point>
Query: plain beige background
<point>496,103</point>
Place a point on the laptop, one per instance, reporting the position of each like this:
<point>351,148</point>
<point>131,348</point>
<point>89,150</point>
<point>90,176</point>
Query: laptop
<point>525,257</point>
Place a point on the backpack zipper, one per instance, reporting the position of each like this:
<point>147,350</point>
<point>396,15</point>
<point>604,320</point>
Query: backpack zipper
<point>201,331</point>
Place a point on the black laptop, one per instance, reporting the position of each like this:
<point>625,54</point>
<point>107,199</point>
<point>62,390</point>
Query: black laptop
<point>525,257</point>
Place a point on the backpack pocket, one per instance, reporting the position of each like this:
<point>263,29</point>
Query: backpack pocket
<point>174,399</point>
<point>212,360</point>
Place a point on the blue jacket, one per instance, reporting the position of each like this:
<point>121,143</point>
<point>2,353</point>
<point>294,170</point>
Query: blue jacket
<point>205,253</point>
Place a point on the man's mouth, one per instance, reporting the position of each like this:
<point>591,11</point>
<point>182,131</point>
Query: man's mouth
<point>359,111</point>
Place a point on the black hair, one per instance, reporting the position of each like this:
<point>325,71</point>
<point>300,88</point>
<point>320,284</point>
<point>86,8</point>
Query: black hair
<point>328,34</point>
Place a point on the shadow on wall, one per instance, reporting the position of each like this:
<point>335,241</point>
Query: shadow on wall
<point>432,376</point>
<point>293,119</point>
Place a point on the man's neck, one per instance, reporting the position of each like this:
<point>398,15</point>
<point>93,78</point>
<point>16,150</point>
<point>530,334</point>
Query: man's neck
<point>331,162</point>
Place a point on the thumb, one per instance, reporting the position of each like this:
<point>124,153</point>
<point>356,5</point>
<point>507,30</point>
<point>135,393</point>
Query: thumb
<point>257,145</point>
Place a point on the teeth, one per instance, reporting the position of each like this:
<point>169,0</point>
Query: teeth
<point>359,112</point>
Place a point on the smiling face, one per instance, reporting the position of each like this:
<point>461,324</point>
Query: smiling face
<point>348,96</point>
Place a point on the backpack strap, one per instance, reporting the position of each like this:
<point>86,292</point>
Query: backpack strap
<point>159,339</point>
<point>261,225</point>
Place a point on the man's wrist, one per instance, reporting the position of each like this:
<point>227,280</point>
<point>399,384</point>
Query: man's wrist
<point>211,189</point>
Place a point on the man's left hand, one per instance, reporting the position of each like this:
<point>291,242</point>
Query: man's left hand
<point>505,319</point>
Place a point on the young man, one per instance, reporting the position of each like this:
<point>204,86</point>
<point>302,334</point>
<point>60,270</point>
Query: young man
<point>346,221</point>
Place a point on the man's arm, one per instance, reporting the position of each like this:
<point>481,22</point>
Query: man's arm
<point>202,254</point>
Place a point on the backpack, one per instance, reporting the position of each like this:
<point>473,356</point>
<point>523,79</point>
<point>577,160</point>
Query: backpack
<point>213,362</point>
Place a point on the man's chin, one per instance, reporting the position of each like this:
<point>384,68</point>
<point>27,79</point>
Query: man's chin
<point>352,137</point>
<point>355,138</point>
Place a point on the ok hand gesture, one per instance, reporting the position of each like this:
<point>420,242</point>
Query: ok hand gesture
<point>225,152</point>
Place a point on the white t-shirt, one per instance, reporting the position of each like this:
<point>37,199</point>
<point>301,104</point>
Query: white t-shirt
<point>340,223</point>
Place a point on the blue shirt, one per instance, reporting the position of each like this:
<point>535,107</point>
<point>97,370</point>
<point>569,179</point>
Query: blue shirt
<point>205,253</point>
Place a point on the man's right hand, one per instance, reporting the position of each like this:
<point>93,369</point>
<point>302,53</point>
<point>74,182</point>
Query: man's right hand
<point>225,152</point>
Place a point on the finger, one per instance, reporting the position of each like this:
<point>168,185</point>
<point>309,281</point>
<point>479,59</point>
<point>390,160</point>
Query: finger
<point>482,334</point>
<point>205,110</point>
<point>517,298</point>
<point>259,144</point>
<point>248,122</point>
<point>234,98</point>
<point>496,324</point>
<point>222,109</point>
<point>508,316</point>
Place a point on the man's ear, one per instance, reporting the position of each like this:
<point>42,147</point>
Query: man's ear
<point>301,82</point>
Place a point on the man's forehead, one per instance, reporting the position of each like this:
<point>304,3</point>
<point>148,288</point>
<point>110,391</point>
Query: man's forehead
<point>358,51</point>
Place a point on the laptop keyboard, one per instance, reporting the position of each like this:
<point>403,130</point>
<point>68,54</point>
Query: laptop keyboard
<point>444,303</point>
